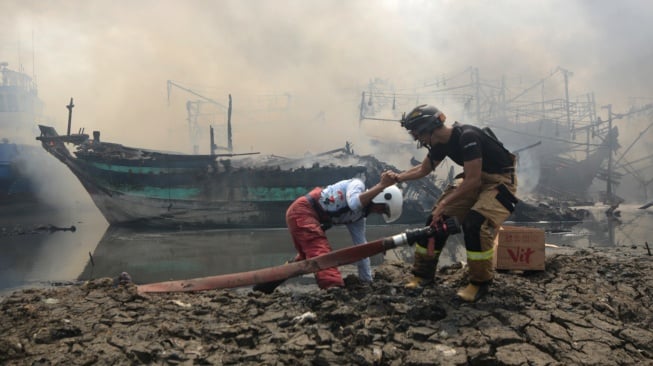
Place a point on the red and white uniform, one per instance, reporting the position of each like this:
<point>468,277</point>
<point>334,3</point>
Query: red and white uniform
<point>338,204</point>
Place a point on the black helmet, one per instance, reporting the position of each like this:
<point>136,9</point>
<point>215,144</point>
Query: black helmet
<point>424,118</point>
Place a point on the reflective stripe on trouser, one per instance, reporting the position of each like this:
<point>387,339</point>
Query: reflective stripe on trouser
<point>310,240</point>
<point>424,265</point>
<point>495,213</point>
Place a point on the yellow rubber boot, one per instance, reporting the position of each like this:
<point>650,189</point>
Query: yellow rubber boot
<point>415,282</point>
<point>473,292</point>
<point>423,269</point>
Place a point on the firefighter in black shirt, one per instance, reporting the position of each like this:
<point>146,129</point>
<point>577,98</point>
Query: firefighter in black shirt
<point>481,201</point>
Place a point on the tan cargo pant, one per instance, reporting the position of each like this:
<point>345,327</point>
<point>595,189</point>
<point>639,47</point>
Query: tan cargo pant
<point>486,203</point>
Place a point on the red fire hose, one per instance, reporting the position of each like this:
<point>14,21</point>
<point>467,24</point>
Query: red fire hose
<point>333,259</point>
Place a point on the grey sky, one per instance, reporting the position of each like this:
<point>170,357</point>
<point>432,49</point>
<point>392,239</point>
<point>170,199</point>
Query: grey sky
<point>114,57</point>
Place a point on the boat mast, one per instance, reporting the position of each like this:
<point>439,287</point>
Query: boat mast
<point>229,144</point>
<point>171,83</point>
<point>608,188</point>
<point>70,107</point>
<point>566,74</point>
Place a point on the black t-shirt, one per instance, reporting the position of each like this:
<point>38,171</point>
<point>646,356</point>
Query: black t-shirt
<point>469,142</point>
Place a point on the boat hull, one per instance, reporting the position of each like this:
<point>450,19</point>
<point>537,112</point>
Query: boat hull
<point>212,211</point>
<point>137,187</point>
<point>18,164</point>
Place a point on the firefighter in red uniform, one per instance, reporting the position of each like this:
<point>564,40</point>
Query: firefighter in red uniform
<point>342,203</point>
<point>481,202</point>
<point>348,203</point>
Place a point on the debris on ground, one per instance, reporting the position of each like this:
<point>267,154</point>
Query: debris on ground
<point>589,307</point>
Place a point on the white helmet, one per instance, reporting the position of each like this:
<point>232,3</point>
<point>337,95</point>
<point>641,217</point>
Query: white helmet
<point>393,200</point>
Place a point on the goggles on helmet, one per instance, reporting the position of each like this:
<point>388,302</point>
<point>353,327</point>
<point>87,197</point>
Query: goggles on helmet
<point>423,118</point>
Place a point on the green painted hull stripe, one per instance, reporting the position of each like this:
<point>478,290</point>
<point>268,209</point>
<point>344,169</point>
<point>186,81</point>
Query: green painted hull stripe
<point>139,169</point>
<point>261,194</point>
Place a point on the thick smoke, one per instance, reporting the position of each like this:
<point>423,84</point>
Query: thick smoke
<point>295,69</point>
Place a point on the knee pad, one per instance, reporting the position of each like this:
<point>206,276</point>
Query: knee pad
<point>472,230</point>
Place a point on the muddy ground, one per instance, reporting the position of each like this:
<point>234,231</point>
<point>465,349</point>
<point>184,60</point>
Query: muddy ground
<point>589,307</point>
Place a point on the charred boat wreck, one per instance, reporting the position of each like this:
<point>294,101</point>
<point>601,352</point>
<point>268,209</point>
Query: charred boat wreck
<point>140,187</point>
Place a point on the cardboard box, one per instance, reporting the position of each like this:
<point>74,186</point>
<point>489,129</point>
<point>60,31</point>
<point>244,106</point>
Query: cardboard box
<point>519,248</point>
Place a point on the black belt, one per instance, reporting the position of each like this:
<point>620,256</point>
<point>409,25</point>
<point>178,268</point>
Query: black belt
<point>316,206</point>
<point>325,219</point>
<point>312,201</point>
<point>509,169</point>
<point>500,171</point>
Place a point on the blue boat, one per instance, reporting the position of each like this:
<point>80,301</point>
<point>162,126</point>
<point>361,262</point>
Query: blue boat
<point>14,183</point>
<point>20,106</point>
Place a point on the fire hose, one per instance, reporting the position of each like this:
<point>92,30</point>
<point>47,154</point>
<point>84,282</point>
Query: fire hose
<point>310,265</point>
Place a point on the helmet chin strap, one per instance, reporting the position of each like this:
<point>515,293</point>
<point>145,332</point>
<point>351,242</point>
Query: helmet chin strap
<point>428,145</point>
<point>368,208</point>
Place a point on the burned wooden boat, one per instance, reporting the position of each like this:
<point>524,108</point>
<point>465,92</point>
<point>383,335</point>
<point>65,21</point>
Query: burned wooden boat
<point>140,187</point>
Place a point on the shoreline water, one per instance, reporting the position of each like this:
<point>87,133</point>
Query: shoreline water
<point>41,258</point>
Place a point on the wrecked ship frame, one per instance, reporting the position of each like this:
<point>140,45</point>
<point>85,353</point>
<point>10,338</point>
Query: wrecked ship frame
<point>576,140</point>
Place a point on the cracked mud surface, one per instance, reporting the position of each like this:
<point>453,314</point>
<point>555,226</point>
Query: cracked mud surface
<point>590,307</point>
